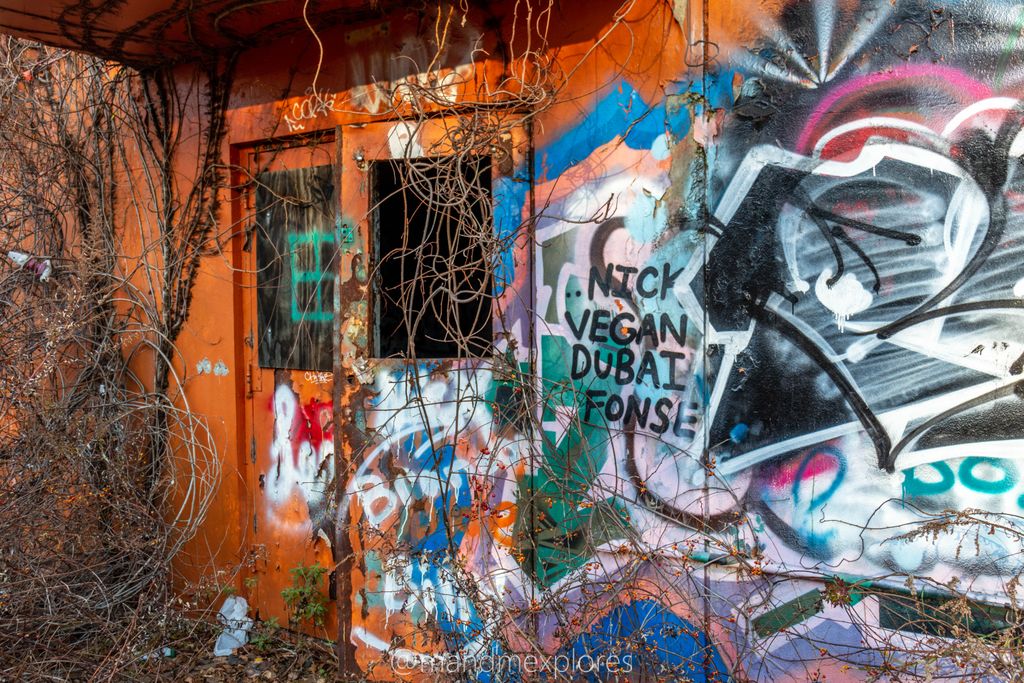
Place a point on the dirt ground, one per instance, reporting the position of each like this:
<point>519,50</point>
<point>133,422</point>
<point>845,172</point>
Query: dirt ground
<point>277,656</point>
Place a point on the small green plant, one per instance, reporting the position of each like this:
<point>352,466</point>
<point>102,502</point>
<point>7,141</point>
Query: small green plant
<point>264,635</point>
<point>303,598</point>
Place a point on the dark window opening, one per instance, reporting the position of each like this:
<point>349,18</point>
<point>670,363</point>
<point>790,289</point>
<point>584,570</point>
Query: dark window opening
<point>434,279</point>
<point>295,257</point>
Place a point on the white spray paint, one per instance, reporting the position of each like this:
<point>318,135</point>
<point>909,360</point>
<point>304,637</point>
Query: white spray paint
<point>845,298</point>
<point>310,470</point>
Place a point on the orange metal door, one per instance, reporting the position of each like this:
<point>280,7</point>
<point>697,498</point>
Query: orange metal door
<point>291,207</point>
<point>351,511</point>
<point>428,441</point>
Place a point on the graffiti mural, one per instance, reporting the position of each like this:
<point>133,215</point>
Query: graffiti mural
<point>302,460</point>
<point>776,327</point>
<point>865,260</point>
<point>434,500</point>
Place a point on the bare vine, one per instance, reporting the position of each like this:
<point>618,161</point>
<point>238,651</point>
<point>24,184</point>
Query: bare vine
<point>94,444</point>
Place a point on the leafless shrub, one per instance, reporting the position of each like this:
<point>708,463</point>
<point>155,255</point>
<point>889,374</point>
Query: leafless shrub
<point>92,442</point>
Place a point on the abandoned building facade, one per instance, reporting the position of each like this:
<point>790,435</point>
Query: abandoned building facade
<point>630,334</point>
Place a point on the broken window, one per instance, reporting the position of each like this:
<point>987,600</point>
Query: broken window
<point>434,281</point>
<point>295,257</point>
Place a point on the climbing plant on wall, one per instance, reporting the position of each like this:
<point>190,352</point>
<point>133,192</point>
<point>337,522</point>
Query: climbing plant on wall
<point>95,432</point>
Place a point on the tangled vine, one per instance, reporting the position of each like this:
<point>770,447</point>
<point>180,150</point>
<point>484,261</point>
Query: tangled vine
<point>101,243</point>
